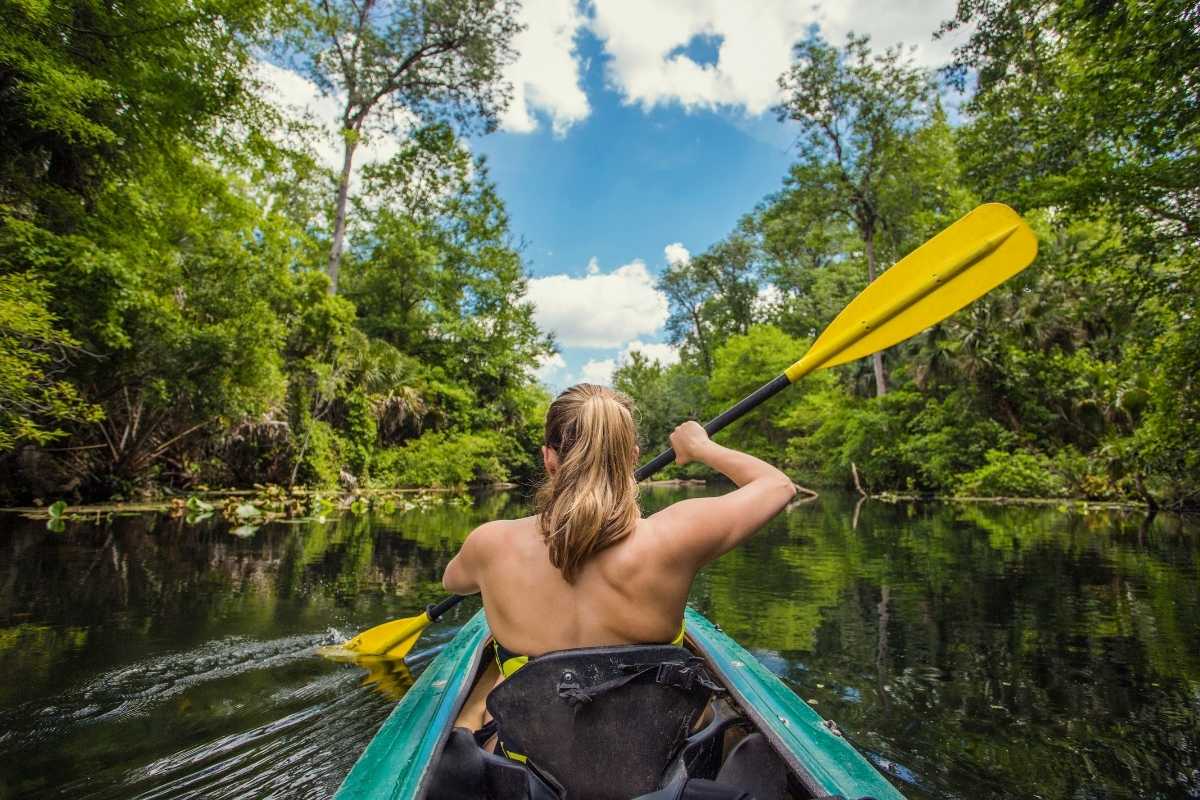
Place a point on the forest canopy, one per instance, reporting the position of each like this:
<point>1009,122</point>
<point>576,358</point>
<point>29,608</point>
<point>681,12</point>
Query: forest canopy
<point>189,297</point>
<point>168,254</point>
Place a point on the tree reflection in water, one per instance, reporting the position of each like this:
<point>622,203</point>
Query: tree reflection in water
<point>970,650</point>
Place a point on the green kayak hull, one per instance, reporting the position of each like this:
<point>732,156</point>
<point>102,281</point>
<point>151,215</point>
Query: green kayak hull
<point>397,761</point>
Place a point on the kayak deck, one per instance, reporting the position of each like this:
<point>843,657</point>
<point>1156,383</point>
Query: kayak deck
<point>397,762</point>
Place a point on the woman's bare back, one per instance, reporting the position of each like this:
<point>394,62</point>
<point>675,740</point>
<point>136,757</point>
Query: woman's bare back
<point>627,593</point>
<point>633,591</point>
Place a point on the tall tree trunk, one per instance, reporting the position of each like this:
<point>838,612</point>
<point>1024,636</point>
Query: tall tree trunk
<point>350,137</point>
<point>703,343</point>
<point>877,359</point>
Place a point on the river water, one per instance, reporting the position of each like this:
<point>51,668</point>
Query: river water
<point>969,651</point>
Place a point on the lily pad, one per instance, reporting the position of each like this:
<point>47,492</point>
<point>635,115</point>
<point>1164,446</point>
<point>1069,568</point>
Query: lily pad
<point>248,510</point>
<point>196,504</point>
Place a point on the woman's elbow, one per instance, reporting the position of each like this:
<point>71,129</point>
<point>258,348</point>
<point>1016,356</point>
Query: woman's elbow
<point>786,489</point>
<point>455,582</point>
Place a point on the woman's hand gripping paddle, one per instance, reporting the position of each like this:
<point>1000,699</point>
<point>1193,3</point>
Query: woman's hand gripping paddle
<point>958,266</point>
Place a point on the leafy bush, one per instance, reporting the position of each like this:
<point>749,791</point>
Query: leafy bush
<point>947,438</point>
<point>320,456</point>
<point>1018,474</point>
<point>442,459</point>
<point>848,430</point>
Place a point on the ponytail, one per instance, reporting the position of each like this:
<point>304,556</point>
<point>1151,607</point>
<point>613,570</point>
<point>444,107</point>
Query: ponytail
<point>590,502</point>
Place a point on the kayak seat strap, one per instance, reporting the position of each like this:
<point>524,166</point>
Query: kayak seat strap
<point>680,675</point>
<point>465,771</point>
<point>605,721</point>
<point>753,765</point>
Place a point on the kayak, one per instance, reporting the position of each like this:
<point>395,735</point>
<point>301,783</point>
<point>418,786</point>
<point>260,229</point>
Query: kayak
<point>764,739</point>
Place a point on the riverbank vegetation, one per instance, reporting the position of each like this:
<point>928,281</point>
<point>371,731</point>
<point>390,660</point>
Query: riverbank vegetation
<point>189,297</point>
<point>169,245</point>
<point>1078,378</point>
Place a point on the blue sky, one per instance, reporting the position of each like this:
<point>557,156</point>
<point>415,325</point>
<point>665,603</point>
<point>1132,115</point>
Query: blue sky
<point>621,185</point>
<point>641,131</point>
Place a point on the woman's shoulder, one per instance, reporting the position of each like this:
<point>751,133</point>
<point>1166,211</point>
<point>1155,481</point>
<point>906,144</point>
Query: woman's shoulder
<point>498,530</point>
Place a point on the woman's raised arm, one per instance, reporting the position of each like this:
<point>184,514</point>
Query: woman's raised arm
<point>699,530</point>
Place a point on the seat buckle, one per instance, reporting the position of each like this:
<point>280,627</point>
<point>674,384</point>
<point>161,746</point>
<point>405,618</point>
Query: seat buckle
<point>671,673</point>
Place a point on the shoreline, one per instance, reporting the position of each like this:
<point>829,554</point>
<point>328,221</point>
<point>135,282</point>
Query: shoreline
<point>172,502</point>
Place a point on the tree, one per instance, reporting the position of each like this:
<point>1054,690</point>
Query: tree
<point>437,276</point>
<point>807,257</point>
<point>713,296</point>
<point>1090,110</point>
<point>687,292</point>
<point>392,62</point>
<point>1087,106</point>
<point>856,112</point>
<point>91,88</point>
<point>663,396</point>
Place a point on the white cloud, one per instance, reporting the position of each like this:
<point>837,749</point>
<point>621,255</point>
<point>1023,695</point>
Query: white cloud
<point>550,369</point>
<point>600,309</point>
<point>755,44</point>
<point>661,352</point>
<point>545,76</point>
<point>598,371</point>
<point>676,254</point>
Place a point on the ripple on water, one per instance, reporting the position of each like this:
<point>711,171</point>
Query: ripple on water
<point>267,718</point>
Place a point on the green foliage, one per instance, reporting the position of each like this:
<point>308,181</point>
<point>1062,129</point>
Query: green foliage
<point>1088,108</point>
<point>1078,376</point>
<point>361,432</point>
<point>32,398</point>
<point>1166,443</point>
<point>443,460</point>
<point>861,115</point>
<point>1018,474</point>
<point>164,315</point>
<point>743,364</point>
<point>319,456</point>
<point>947,437</point>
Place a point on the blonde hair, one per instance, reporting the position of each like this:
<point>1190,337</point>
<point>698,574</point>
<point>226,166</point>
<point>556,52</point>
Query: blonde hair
<point>590,502</point>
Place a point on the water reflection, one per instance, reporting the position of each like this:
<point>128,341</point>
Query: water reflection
<point>971,651</point>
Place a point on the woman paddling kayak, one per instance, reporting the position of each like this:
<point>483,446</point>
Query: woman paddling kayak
<point>587,569</point>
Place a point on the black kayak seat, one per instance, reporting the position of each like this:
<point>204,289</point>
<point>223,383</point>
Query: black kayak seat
<point>704,749</point>
<point>605,722</point>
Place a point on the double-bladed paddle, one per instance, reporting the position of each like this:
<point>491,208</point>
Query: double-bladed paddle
<point>959,265</point>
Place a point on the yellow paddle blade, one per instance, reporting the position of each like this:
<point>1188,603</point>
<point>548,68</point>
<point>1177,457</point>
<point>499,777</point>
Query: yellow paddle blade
<point>959,265</point>
<point>391,639</point>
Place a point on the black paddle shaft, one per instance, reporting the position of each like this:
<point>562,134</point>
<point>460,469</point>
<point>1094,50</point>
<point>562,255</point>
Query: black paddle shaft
<point>747,403</point>
<point>750,401</point>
